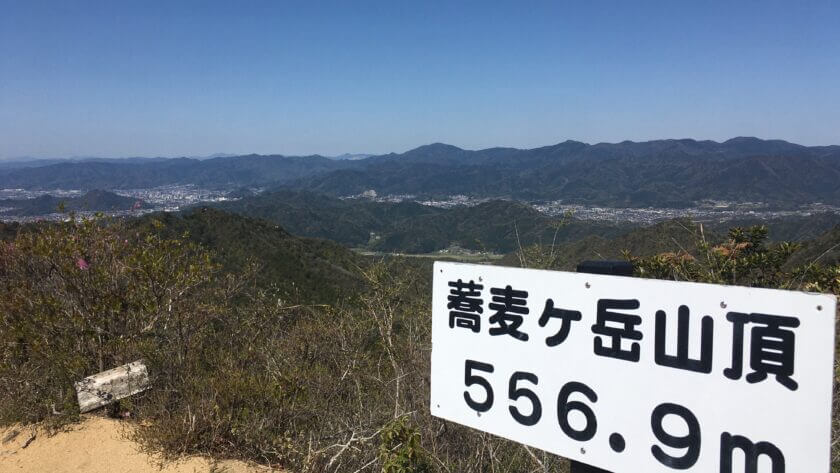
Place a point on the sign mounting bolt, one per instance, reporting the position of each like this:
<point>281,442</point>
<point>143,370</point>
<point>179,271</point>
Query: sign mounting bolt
<point>723,305</point>
<point>588,285</point>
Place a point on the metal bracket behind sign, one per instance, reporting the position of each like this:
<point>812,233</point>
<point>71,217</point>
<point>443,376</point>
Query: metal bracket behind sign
<point>613,268</point>
<point>578,467</point>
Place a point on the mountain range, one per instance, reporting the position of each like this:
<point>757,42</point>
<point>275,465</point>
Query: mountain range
<point>662,173</point>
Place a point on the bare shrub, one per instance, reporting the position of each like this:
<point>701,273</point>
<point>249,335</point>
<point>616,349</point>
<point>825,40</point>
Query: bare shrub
<point>252,373</point>
<point>84,296</point>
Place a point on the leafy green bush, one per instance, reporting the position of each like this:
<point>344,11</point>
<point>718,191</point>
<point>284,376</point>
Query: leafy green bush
<point>400,450</point>
<point>745,258</point>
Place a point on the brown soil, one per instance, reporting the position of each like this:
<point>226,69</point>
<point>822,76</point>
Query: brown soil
<point>97,445</point>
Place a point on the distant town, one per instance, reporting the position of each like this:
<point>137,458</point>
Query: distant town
<point>160,199</point>
<point>704,211</point>
<point>173,198</point>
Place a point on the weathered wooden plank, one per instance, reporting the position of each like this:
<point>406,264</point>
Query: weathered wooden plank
<point>108,386</point>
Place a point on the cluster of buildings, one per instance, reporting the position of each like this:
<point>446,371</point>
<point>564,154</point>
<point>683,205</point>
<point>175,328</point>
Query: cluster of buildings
<point>445,203</point>
<point>715,210</point>
<point>164,198</point>
<point>706,211</point>
<point>175,197</point>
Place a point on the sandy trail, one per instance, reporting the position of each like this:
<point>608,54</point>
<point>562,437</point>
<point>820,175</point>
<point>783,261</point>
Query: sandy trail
<point>96,446</point>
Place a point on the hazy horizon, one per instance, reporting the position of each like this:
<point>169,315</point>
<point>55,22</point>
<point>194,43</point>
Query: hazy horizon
<point>224,154</point>
<point>197,78</point>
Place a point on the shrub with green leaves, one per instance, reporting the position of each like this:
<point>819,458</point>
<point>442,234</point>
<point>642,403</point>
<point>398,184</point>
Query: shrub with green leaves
<point>745,258</point>
<point>400,450</point>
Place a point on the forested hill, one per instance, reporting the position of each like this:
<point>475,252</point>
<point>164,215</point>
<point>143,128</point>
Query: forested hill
<point>314,270</point>
<point>670,236</point>
<point>823,249</point>
<point>349,222</point>
<point>306,270</point>
<point>410,227</point>
<point>654,173</point>
<point>497,226</point>
<point>95,200</point>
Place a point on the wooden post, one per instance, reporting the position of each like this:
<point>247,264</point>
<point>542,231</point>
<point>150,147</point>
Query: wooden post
<point>108,386</point>
<point>614,268</point>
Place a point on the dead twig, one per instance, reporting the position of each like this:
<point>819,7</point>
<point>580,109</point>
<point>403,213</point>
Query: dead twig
<point>31,439</point>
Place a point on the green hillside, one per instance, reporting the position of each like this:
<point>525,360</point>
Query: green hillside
<point>670,236</point>
<point>408,227</point>
<point>823,250</point>
<point>791,228</point>
<point>95,200</point>
<point>496,226</point>
<point>307,269</point>
<point>313,215</point>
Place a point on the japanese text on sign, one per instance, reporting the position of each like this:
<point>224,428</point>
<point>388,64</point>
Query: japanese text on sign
<point>636,375</point>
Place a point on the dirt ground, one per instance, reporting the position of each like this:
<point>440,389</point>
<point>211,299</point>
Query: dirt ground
<point>97,445</point>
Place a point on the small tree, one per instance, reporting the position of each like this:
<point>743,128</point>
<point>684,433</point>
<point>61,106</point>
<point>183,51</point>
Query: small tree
<point>745,258</point>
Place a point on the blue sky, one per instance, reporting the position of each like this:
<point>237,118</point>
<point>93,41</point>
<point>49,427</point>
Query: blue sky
<point>170,78</point>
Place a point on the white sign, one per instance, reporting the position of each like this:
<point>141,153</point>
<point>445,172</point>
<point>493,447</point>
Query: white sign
<point>636,375</point>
